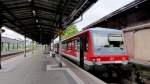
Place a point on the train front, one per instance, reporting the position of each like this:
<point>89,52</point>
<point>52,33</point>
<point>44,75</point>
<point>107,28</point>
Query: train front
<point>108,48</point>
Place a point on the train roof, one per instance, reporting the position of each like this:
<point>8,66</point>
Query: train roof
<point>99,29</point>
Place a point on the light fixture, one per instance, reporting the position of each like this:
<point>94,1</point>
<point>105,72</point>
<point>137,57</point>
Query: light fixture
<point>29,0</point>
<point>34,13</point>
<point>37,21</point>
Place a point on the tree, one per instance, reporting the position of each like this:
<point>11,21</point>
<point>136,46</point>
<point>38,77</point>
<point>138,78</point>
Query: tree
<point>70,31</point>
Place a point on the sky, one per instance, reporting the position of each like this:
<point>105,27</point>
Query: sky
<point>12,34</point>
<point>100,9</point>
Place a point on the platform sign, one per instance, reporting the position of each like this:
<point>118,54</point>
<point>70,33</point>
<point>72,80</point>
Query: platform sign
<point>115,37</point>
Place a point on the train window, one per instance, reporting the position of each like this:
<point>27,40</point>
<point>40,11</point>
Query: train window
<point>72,44</point>
<point>75,44</point>
<point>78,44</point>
<point>67,45</point>
<point>64,46</point>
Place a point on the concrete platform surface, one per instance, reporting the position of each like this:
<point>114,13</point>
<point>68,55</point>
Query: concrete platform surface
<point>7,53</point>
<point>141,62</point>
<point>33,70</point>
<point>3,53</point>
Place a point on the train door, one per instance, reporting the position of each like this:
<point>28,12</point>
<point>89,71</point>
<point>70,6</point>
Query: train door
<point>81,52</point>
<point>77,48</point>
<point>83,49</point>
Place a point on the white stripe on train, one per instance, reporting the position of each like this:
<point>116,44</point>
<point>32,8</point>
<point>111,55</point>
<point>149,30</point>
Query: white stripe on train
<point>92,62</point>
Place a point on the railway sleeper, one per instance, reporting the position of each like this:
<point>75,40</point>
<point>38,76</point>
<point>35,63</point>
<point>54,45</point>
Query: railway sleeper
<point>124,74</point>
<point>131,74</point>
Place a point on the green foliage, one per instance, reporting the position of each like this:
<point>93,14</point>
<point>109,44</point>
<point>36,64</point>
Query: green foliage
<point>70,31</point>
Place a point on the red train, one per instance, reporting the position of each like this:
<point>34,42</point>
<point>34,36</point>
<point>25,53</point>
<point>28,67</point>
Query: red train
<point>101,48</point>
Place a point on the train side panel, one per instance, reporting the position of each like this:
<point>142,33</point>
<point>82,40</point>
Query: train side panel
<point>73,47</point>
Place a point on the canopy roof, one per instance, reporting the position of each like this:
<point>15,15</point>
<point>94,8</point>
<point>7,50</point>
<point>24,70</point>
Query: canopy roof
<point>41,19</point>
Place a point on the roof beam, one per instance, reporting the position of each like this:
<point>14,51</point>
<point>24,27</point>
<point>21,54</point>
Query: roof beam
<point>19,7</point>
<point>40,24</point>
<point>9,20</point>
<point>38,17</point>
<point>9,2</point>
<point>65,6</point>
<point>15,18</point>
<point>46,31</point>
<point>25,18</point>
<point>45,19</point>
<point>45,9</point>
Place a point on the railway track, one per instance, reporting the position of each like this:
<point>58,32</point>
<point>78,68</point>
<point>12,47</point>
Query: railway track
<point>131,75</point>
<point>11,55</point>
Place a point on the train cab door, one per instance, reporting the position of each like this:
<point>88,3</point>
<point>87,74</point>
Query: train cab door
<point>83,49</point>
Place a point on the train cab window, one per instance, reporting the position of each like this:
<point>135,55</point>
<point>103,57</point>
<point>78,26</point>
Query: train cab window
<point>107,43</point>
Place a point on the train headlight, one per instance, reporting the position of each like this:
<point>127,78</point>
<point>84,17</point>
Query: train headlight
<point>123,58</point>
<point>99,59</point>
<point>94,60</point>
<point>111,58</point>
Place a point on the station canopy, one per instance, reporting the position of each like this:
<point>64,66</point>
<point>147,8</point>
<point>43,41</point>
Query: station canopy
<point>40,20</point>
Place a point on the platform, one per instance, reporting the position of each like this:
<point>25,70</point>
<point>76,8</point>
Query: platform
<point>12,52</point>
<point>39,68</point>
<point>6,53</point>
<point>140,62</point>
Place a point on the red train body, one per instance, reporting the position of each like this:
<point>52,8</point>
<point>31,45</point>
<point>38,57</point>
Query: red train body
<point>102,47</point>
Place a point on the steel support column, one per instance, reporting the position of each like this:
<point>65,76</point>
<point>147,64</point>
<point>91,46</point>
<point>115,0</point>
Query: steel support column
<point>13,46</point>
<point>52,50</point>
<point>25,46</point>
<point>1,31</point>
<point>0,45</point>
<point>45,48</point>
<point>60,62</point>
<point>49,47</point>
<point>8,46</point>
<point>60,38</point>
<point>32,46</point>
